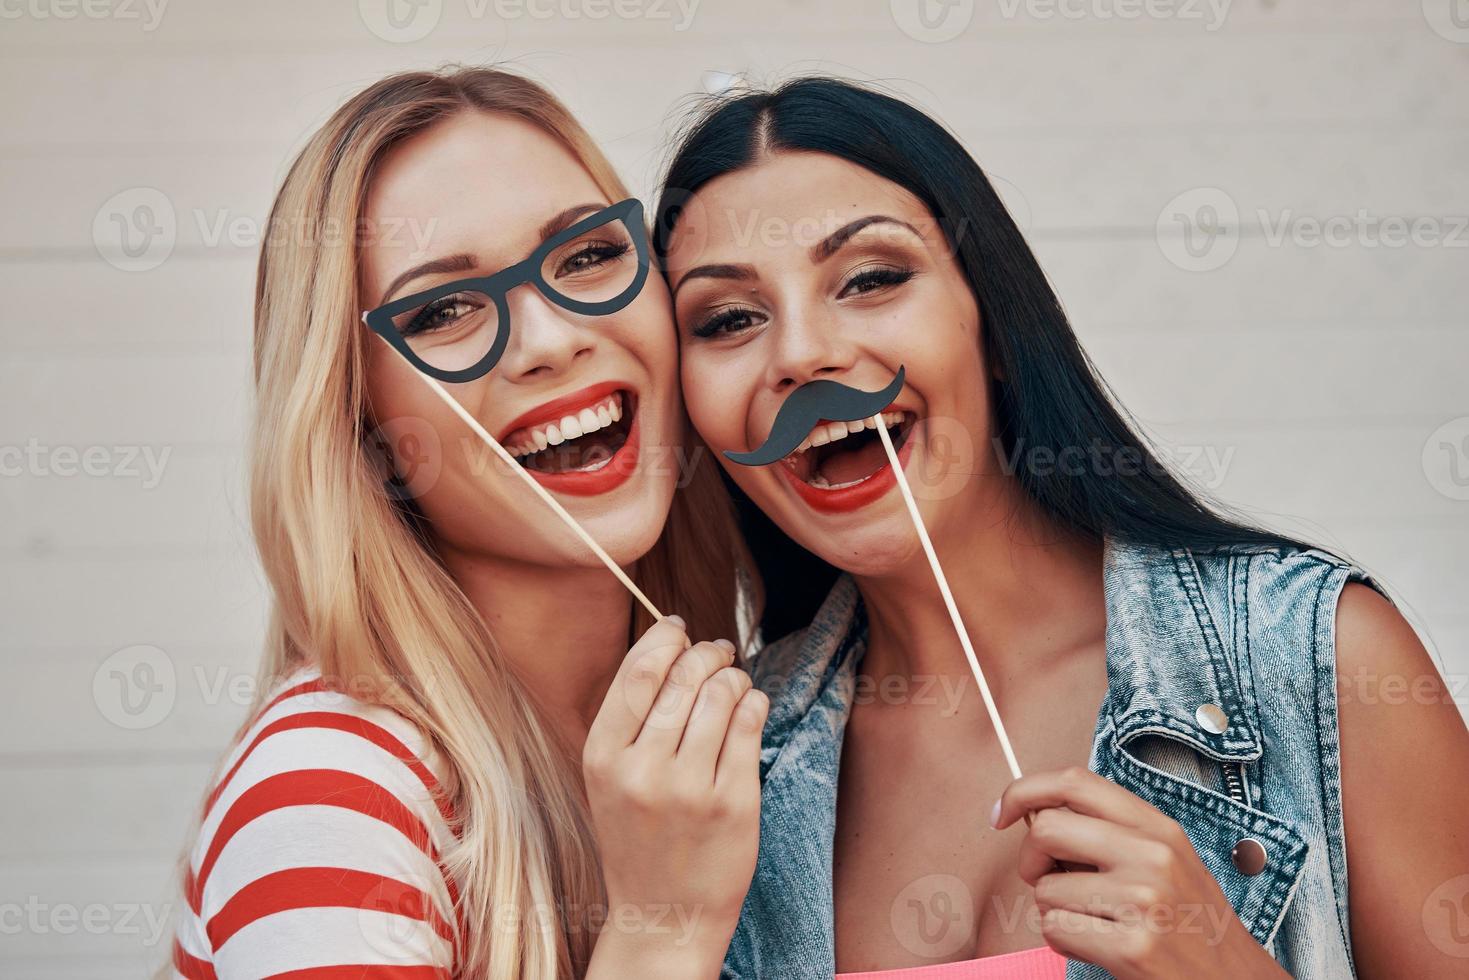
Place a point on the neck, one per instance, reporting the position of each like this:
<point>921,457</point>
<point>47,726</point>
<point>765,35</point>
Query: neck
<point>1027,590</point>
<point>565,660</point>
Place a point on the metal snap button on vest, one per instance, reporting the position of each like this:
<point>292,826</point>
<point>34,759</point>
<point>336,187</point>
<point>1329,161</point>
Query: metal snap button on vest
<point>1211,718</point>
<point>1248,856</point>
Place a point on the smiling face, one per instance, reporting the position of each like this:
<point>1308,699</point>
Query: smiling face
<point>587,403</point>
<point>805,267</point>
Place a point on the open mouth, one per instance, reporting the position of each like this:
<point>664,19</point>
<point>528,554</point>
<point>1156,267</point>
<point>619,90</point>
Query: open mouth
<point>581,441</point>
<point>841,455</point>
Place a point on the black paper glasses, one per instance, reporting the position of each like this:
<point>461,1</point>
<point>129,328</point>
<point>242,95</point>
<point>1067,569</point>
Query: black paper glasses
<point>458,330</point>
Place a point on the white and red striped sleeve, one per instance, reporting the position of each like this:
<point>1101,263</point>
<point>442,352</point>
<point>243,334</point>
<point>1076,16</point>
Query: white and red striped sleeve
<point>318,853</point>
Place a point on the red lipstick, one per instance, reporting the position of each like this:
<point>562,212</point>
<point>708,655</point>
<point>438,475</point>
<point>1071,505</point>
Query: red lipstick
<point>584,483</point>
<point>847,499</point>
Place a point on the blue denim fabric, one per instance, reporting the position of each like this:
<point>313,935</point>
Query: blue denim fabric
<point>1250,630</point>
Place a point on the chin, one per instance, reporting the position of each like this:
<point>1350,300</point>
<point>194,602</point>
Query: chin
<point>879,547</point>
<point>626,532</point>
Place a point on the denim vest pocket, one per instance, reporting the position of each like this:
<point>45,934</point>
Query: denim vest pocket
<point>1216,824</point>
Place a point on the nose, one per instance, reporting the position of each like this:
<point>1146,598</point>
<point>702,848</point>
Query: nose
<point>545,340</point>
<point>808,345</point>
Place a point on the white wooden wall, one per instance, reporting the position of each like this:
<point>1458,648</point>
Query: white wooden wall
<point>1322,373</point>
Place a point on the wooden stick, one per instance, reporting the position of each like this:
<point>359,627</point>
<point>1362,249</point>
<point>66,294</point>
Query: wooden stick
<point>540,491</point>
<point>938,573</point>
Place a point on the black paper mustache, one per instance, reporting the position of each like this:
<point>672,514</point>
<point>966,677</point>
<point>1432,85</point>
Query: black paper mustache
<point>809,404</point>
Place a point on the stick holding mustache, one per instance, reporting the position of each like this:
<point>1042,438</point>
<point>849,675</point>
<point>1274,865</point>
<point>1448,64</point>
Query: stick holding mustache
<point>958,621</point>
<point>832,401</point>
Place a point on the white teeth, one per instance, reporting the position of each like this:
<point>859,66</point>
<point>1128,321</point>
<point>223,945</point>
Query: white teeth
<point>840,430</point>
<point>568,427</point>
<point>832,431</point>
<point>593,467</point>
<point>820,482</point>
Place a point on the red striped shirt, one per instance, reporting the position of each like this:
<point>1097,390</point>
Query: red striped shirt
<point>318,855</point>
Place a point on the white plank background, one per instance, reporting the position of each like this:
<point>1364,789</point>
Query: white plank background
<point>1318,372</point>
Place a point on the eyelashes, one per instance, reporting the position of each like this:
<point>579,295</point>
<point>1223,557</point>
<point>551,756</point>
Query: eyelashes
<point>874,278</point>
<point>590,256</point>
<point>728,320</point>
<point>863,282</point>
<point>443,313</point>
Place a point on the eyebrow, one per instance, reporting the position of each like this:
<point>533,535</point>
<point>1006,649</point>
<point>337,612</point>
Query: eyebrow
<point>819,252</point>
<point>567,218</point>
<point>739,273</point>
<point>464,262</point>
<point>824,249</point>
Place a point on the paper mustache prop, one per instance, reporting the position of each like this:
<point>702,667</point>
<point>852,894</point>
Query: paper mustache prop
<point>832,401</point>
<point>813,402</point>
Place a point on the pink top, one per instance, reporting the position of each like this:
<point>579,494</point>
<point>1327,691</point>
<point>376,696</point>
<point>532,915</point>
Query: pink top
<point>1041,963</point>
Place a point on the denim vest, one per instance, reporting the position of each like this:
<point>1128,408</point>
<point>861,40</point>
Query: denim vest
<point>1213,658</point>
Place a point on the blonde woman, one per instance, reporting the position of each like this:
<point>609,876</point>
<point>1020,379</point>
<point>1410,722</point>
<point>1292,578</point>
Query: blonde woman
<point>458,768</point>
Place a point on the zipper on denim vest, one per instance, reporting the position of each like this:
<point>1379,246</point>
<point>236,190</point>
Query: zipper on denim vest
<point>1234,780</point>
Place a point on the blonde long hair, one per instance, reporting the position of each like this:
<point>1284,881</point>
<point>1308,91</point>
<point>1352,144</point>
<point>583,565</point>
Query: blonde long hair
<point>361,594</point>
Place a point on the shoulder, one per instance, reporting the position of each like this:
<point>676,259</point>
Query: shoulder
<point>1403,744</point>
<point>1387,683</point>
<point>1315,622</point>
<point>1281,588</point>
<point>320,841</point>
<point>1369,627</point>
<point>1282,562</point>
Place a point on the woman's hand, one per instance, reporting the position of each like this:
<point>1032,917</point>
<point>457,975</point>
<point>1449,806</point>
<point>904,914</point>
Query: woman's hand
<point>1134,898</point>
<point>672,766</point>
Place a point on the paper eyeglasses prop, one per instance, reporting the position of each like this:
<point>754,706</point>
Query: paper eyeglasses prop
<point>458,331</point>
